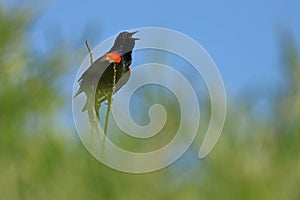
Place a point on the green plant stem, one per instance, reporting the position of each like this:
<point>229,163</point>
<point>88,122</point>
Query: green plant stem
<point>109,104</point>
<point>93,122</point>
<point>90,52</point>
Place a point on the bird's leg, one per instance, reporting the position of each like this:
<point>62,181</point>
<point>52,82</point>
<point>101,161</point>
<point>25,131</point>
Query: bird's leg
<point>104,93</point>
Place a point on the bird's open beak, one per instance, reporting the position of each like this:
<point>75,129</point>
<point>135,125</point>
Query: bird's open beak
<point>132,33</point>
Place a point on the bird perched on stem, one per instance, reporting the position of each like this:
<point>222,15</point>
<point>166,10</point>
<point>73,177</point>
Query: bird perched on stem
<point>107,74</point>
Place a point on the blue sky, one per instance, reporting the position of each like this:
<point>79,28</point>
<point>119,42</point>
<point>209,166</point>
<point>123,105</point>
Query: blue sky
<point>242,37</point>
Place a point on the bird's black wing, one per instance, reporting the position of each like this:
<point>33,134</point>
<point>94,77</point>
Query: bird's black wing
<point>90,78</point>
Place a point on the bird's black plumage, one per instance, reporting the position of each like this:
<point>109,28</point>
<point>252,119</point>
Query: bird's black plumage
<point>97,81</point>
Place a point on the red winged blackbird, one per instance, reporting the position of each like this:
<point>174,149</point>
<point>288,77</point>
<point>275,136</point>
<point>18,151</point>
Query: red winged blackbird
<point>98,80</point>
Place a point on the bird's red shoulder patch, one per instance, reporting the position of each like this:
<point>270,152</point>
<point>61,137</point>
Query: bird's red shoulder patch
<point>113,57</point>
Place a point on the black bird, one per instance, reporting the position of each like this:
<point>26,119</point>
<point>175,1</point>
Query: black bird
<point>98,83</point>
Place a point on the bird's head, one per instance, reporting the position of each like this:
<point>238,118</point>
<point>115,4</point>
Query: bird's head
<point>125,42</point>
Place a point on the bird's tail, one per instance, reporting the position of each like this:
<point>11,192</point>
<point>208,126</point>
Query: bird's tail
<point>93,118</point>
<point>93,114</point>
<point>92,108</point>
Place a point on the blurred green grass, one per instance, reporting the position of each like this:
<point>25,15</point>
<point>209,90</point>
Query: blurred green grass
<point>254,159</point>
